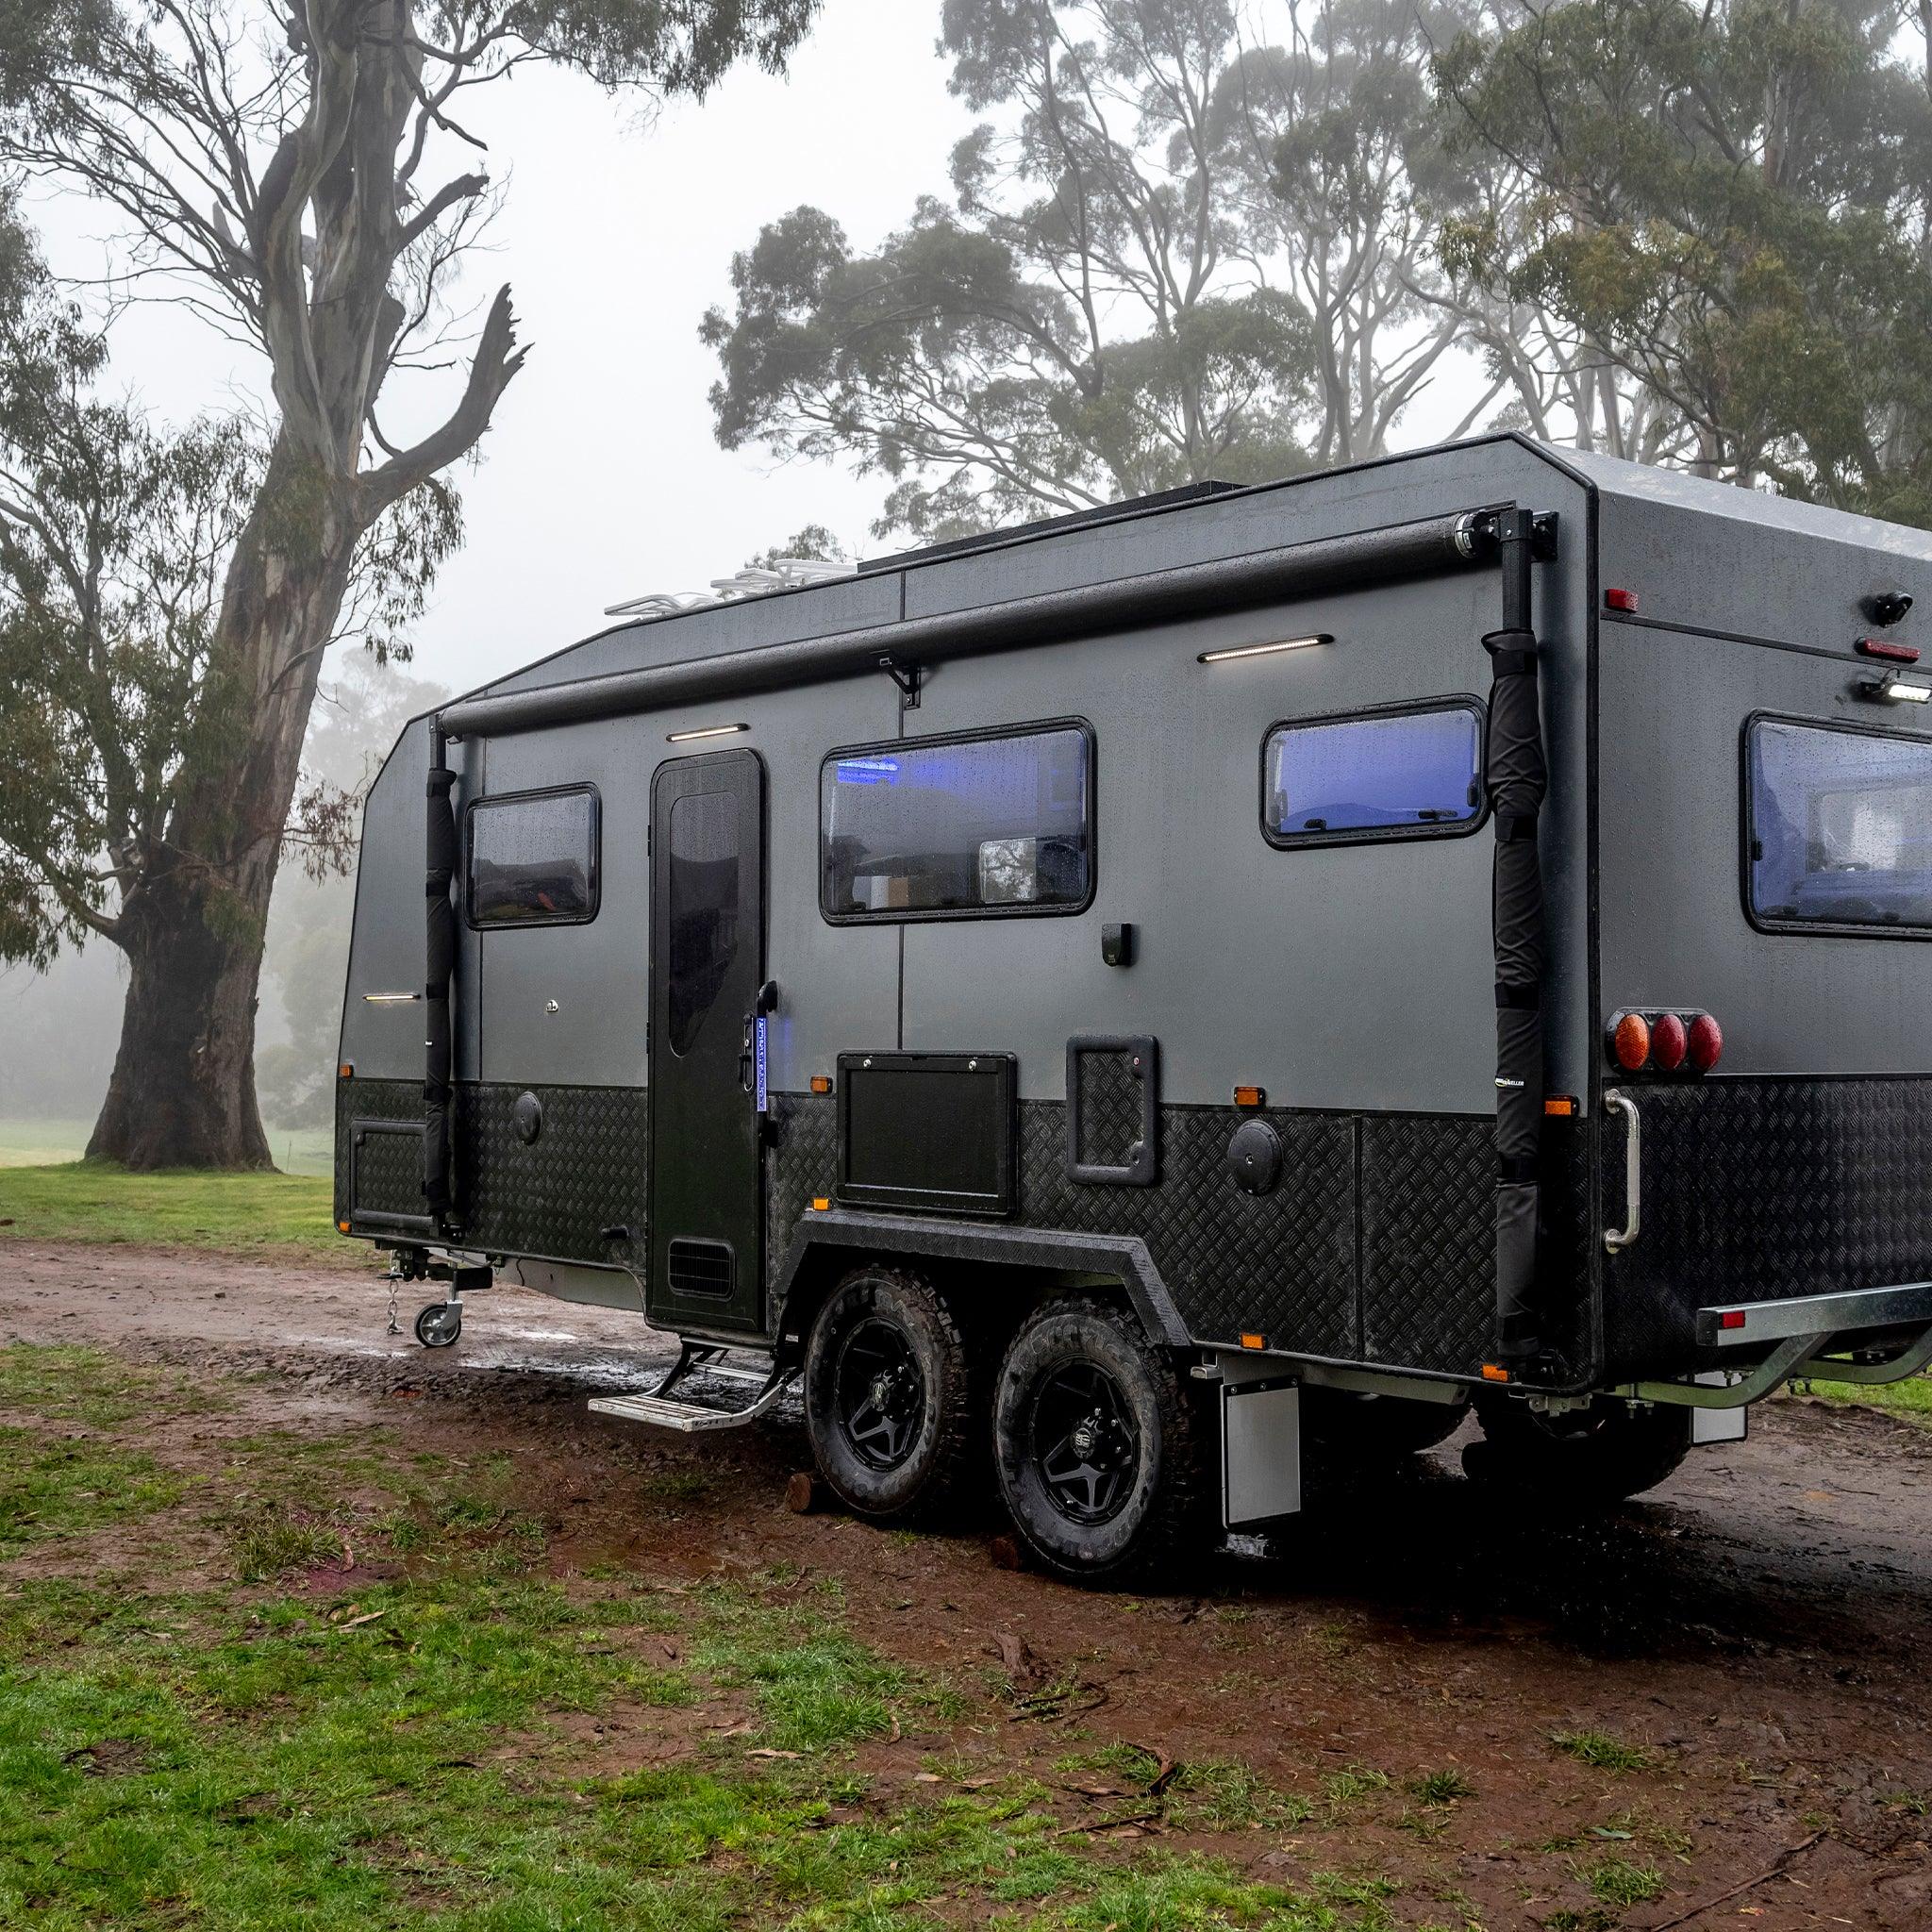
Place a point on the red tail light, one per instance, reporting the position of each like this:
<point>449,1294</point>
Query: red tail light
<point>1668,1042</point>
<point>1706,1043</point>
<point>1630,1044</point>
<point>1640,1042</point>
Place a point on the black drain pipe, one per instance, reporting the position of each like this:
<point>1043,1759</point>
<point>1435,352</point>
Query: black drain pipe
<point>1516,777</point>
<point>440,856</point>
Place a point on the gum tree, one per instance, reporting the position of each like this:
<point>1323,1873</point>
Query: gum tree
<point>287,170</point>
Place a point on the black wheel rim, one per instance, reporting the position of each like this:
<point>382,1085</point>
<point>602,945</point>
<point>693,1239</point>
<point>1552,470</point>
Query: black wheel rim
<point>1083,1442</point>
<point>879,1393</point>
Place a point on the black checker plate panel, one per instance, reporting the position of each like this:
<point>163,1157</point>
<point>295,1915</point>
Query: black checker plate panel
<point>1283,1263</point>
<point>587,1171</point>
<point>1429,1241</point>
<point>377,1100</point>
<point>1111,1097</point>
<point>1756,1189</point>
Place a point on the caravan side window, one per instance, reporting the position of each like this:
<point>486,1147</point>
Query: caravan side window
<point>1406,772</point>
<point>1839,832</point>
<point>990,825</point>
<point>533,857</point>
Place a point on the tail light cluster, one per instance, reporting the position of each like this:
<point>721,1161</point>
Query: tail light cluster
<point>1686,1042</point>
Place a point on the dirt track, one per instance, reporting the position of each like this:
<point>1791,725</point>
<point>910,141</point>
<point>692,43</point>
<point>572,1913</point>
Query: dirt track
<point>1759,1624</point>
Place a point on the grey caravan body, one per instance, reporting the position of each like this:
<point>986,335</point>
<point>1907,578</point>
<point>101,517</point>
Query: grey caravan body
<point>1340,991</point>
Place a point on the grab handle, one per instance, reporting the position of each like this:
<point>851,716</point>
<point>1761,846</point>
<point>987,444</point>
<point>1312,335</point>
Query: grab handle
<point>1617,1239</point>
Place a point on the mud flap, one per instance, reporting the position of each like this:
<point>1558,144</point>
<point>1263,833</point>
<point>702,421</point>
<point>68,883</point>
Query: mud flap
<point>1260,1443</point>
<point>1719,1424</point>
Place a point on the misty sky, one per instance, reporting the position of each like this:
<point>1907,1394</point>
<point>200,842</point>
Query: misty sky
<point>601,479</point>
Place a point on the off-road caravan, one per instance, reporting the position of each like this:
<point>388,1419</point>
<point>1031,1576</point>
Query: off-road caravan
<point>1121,998</point>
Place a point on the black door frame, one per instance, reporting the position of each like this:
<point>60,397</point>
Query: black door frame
<point>743,1313</point>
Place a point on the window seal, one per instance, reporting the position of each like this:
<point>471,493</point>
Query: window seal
<point>1029,728</point>
<point>597,881</point>
<point>1382,835</point>
<point>1748,828</point>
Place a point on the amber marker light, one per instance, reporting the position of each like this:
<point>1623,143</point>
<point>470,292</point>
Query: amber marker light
<point>1254,1341</point>
<point>1559,1104</point>
<point>345,1072</point>
<point>1250,1096</point>
<point>822,1204</point>
<point>1630,1043</point>
<point>822,1083</point>
<point>1493,1373</point>
<point>341,1227</point>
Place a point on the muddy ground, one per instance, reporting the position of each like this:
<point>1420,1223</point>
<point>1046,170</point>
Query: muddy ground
<point>1758,1626</point>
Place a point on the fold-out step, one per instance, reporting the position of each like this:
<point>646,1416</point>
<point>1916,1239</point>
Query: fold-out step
<point>667,1410</point>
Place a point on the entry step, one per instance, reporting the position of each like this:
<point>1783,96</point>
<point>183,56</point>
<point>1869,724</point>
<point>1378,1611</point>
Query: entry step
<point>666,1408</point>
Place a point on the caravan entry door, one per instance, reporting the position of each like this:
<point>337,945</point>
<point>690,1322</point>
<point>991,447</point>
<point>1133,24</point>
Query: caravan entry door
<point>708,961</point>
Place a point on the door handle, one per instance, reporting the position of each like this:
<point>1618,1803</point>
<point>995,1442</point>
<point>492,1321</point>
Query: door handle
<point>1617,1239</point>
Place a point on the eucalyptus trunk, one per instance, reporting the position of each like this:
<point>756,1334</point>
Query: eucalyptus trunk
<point>183,1088</point>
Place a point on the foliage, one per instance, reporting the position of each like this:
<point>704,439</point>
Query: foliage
<point>815,541</point>
<point>1732,205</point>
<point>271,167</point>
<point>1172,251</point>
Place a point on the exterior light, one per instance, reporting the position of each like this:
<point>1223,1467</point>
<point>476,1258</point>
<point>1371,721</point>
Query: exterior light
<point>1267,650</point>
<point>1895,690</point>
<point>1624,601</point>
<point>704,731</point>
<point>390,999</point>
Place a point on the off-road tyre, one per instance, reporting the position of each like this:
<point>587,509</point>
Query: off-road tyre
<point>1586,1459</point>
<point>1379,1431</point>
<point>1147,1499</point>
<point>902,1453</point>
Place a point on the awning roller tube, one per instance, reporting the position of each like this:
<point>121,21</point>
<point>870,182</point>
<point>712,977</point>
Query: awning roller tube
<point>1437,546</point>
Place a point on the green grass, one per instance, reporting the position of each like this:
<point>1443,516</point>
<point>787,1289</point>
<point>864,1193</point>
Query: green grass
<point>456,1746</point>
<point>1618,1882</point>
<point>95,1201</point>
<point>48,1143</point>
<point>1602,1751</point>
<point>1911,1398</point>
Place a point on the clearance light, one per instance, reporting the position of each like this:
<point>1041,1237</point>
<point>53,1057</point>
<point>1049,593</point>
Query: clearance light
<point>1630,1043</point>
<point>347,1071</point>
<point>1731,1318</point>
<point>341,1227</point>
<point>1620,600</point>
<point>704,731</point>
<point>1559,1104</point>
<point>1670,1041</point>
<point>822,1083</point>
<point>1254,1341</point>
<point>1250,1096</point>
<point>822,1204</point>
<point>1895,690</point>
<point>1881,647</point>
<point>1320,636</point>
<point>1493,1373</point>
<point>1707,1043</point>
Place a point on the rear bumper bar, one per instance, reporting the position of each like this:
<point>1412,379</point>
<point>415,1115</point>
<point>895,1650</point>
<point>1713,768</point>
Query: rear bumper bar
<point>1743,1324</point>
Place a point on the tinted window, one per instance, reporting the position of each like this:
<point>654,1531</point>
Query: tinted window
<point>1380,776</point>
<point>1840,828</point>
<point>703,909</point>
<point>986,825</point>
<point>533,858</point>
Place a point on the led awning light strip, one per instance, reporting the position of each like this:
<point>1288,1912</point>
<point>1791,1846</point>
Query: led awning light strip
<point>1267,650</point>
<point>704,731</point>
